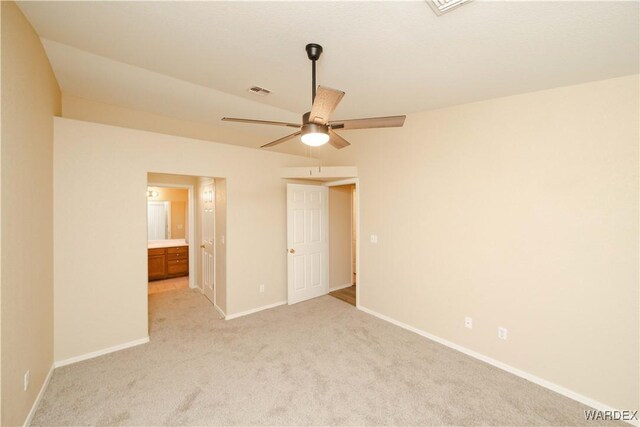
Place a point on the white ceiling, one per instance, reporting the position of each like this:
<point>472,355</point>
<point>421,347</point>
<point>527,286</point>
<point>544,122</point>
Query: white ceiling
<point>195,60</point>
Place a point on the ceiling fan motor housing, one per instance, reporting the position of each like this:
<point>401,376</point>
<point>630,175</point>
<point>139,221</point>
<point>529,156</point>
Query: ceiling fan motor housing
<point>313,51</point>
<point>314,128</point>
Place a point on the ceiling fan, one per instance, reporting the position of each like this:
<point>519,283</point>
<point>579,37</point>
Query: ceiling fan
<point>316,128</point>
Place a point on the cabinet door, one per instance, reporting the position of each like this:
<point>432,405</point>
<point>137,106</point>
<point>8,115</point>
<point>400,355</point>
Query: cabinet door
<point>178,266</point>
<point>157,266</point>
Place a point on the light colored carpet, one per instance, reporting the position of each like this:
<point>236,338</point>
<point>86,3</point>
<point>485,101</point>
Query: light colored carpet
<point>320,362</point>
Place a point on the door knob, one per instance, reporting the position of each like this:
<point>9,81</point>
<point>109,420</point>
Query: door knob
<point>202,246</point>
<point>292,251</point>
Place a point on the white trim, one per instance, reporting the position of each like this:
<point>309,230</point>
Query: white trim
<point>254,310</point>
<point>337,288</point>
<point>192,227</point>
<point>102,352</point>
<point>36,403</point>
<point>515,371</point>
<point>319,172</point>
<point>219,310</point>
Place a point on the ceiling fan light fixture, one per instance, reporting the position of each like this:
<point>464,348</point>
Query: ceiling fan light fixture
<point>314,135</point>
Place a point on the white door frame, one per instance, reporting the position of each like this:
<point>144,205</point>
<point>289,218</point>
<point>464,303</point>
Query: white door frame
<point>192,226</point>
<point>355,181</point>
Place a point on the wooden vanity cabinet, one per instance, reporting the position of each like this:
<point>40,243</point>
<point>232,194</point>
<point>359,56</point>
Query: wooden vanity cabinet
<point>169,262</point>
<point>157,264</point>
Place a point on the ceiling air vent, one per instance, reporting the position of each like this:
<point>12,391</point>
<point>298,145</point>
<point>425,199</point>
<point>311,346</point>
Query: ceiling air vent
<point>441,7</point>
<point>259,90</point>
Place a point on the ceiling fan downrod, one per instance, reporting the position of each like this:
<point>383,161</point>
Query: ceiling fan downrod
<point>313,53</point>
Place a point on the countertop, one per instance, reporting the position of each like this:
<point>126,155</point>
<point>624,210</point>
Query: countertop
<point>157,244</point>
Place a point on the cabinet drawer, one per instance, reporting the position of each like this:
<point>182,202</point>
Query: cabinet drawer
<point>181,255</point>
<point>159,251</point>
<point>177,266</point>
<point>178,250</point>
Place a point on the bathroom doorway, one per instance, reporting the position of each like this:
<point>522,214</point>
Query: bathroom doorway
<point>170,231</point>
<point>186,233</point>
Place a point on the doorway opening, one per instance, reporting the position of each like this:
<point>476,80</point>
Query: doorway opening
<point>322,240</point>
<point>186,228</point>
<point>343,242</point>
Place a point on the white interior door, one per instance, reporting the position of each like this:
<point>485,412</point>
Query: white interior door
<point>207,238</point>
<point>308,241</point>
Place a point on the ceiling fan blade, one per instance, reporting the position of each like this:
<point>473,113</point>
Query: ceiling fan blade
<point>337,141</point>
<point>368,123</point>
<point>326,101</point>
<point>281,140</point>
<point>261,122</point>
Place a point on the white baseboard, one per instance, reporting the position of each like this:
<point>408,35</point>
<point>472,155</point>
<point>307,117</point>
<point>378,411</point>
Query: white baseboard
<point>93,354</point>
<point>254,310</point>
<point>515,371</point>
<point>219,310</point>
<point>337,288</point>
<point>36,403</point>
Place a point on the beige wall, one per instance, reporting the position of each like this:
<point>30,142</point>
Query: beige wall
<point>111,307</point>
<point>520,212</point>
<point>78,108</point>
<point>340,218</point>
<point>178,220</point>
<point>1,401</point>
<point>30,98</point>
<point>178,198</point>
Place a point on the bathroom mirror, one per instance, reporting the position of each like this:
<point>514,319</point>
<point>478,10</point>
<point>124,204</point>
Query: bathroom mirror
<point>158,220</point>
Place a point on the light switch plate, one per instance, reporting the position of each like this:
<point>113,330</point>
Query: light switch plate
<point>373,238</point>
<point>502,333</point>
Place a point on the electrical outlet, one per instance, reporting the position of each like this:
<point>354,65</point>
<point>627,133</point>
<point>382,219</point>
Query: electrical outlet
<point>373,238</point>
<point>27,379</point>
<point>261,288</point>
<point>502,333</point>
<point>468,322</point>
